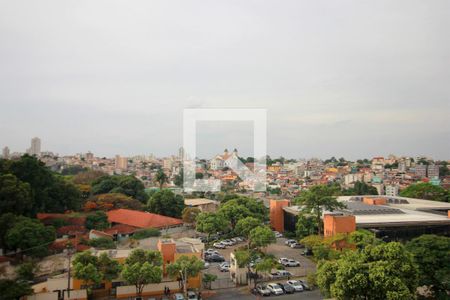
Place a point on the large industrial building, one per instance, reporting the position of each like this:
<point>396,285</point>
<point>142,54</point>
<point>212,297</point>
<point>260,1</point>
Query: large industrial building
<point>390,218</point>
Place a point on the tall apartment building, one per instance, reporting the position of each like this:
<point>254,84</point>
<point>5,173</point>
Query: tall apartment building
<point>433,171</point>
<point>89,156</point>
<point>35,148</point>
<point>391,190</point>
<point>421,171</point>
<point>121,163</point>
<point>5,152</point>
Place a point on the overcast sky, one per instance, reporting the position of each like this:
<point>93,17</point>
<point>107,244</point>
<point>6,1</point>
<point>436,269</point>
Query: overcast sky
<point>343,78</point>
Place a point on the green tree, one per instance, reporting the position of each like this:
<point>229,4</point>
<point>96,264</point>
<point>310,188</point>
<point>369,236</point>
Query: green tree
<point>102,243</point>
<point>431,253</point>
<point>184,268</point>
<point>15,196</point>
<point>92,270</point>
<point>362,238</point>
<point>141,256</point>
<point>317,199</point>
<point>7,221</point>
<point>233,212</point>
<point>425,190</point>
<point>211,223</point>
<point>127,185</point>
<point>26,271</point>
<point>384,271</point>
<point>140,275</point>
<point>208,279</point>
<point>244,226</point>
<point>161,178</point>
<point>361,188</point>
<point>13,290</point>
<point>30,236</point>
<point>305,226</point>
<point>97,220</point>
<point>261,236</point>
<point>189,214</point>
<point>264,266</point>
<point>109,268</point>
<point>167,203</point>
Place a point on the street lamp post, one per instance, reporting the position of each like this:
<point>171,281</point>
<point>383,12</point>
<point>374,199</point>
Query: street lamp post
<point>69,253</point>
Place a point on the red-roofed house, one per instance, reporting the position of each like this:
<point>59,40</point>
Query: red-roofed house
<point>141,219</point>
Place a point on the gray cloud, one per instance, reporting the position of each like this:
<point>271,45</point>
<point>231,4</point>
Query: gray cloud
<point>345,78</point>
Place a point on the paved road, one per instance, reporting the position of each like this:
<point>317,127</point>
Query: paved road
<point>231,294</point>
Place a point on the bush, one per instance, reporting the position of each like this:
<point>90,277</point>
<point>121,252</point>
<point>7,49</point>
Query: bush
<point>102,243</point>
<point>146,233</point>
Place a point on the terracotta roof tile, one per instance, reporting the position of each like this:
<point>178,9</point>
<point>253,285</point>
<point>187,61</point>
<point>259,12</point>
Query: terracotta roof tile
<point>141,219</point>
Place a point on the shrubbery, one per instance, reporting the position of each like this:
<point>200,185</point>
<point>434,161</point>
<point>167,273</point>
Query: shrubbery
<point>146,233</point>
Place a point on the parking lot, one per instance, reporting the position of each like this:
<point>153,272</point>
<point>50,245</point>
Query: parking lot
<point>279,249</point>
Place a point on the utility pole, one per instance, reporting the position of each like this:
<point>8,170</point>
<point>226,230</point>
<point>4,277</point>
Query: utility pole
<point>69,253</point>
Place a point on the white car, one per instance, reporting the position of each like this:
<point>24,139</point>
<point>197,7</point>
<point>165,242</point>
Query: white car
<point>289,242</point>
<point>275,289</point>
<point>228,242</point>
<point>224,267</point>
<point>192,295</point>
<point>290,263</point>
<point>280,274</point>
<point>282,260</point>
<point>277,234</point>
<point>219,245</point>
<point>297,285</point>
<point>178,296</point>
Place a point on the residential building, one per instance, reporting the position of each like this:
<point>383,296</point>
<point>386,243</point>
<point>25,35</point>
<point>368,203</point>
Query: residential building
<point>205,205</point>
<point>420,171</point>
<point>5,152</point>
<point>35,148</point>
<point>392,190</point>
<point>121,163</point>
<point>433,171</point>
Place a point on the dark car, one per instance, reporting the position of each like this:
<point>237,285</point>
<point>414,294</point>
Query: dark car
<point>307,252</point>
<point>287,288</point>
<point>214,258</point>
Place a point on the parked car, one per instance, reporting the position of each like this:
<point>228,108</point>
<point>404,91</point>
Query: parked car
<point>289,242</point>
<point>205,265</point>
<point>290,263</point>
<point>262,290</point>
<point>178,296</point>
<point>287,288</point>
<point>224,267</point>
<point>239,239</point>
<point>192,295</point>
<point>282,260</point>
<point>305,285</point>
<point>277,234</point>
<point>211,251</point>
<point>296,284</point>
<point>280,274</point>
<point>219,245</point>
<point>275,289</point>
<point>215,258</point>
<point>227,242</point>
<point>296,245</point>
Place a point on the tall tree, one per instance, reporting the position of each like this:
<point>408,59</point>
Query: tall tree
<point>141,268</point>
<point>30,236</point>
<point>13,290</point>
<point>15,195</point>
<point>161,178</point>
<point>305,226</point>
<point>185,267</point>
<point>97,220</point>
<point>317,199</point>
<point>425,190</point>
<point>127,185</point>
<point>432,255</point>
<point>385,271</point>
<point>190,214</point>
<point>211,223</point>
<point>244,226</point>
<point>167,203</point>
<point>261,236</point>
